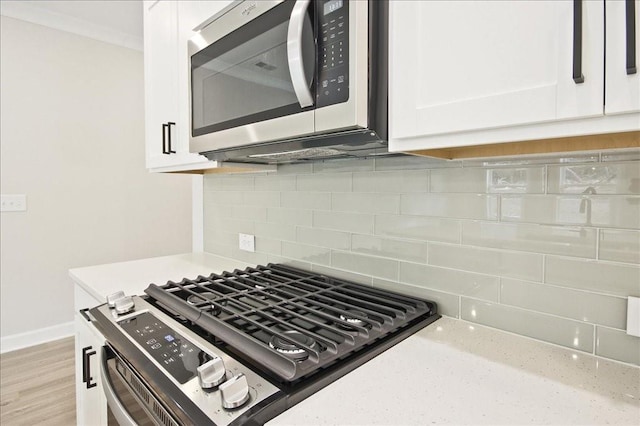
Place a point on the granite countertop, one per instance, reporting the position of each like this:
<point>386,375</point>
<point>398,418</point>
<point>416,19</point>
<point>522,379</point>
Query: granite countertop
<point>451,372</point>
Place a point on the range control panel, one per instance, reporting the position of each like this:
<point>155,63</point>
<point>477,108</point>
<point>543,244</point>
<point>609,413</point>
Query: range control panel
<point>178,356</point>
<point>333,51</point>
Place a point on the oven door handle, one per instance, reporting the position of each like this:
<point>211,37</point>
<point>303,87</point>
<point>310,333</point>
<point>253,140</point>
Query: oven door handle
<point>119,411</point>
<point>294,53</point>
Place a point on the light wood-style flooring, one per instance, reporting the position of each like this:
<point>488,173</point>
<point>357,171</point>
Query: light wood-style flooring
<point>37,385</point>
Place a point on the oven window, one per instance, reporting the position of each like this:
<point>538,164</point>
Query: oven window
<point>244,77</point>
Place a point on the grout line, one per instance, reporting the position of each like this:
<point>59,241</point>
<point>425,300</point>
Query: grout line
<point>598,230</point>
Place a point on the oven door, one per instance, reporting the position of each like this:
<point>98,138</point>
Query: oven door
<point>130,401</point>
<point>252,75</point>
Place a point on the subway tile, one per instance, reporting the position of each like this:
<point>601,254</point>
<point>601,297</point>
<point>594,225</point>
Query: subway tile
<point>274,182</point>
<point>337,182</point>
<point>349,222</point>
<point>268,245</point>
<point>410,251</point>
<point>487,261</point>
<point>324,238</point>
<point>619,245</point>
<point>294,169</point>
<point>405,162</point>
<point>606,211</point>
<point>273,258</point>
<point>230,225</point>
<point>597,178</point>
<point>569,241</point>
<point>222,197</point>
<point>306,200</point>
<point>368,265</point>
<point>483,180</point>
<point>212,182</point>
<point>450,280</point>
<point>579,305</point>
<point>262,198</point>
<point>348,165</point>
<point>564,332</point>
<point>365,203</point>
<point>343,275</point>
<point>447,303</point>
<point>237,183</point>
<point>306,253</point>
<point>618,345</point>
<point>290,216</point>
<point>276,231</point>
<point>418,228</point>
<point>221,237</point>
<point>401,181</point>
<point>602,277</point>
<point>238,212</point>
<point>462,206</point>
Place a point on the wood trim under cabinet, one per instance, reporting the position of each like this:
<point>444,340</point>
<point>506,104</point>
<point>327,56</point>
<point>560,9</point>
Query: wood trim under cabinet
<point>544,146</point>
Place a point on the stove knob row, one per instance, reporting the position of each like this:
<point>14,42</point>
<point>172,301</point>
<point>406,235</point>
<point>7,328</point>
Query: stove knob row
<point>120,303</point>
<point>212,373</point>
<point>234,392</point>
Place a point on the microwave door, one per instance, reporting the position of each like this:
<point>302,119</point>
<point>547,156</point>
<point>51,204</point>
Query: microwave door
<point>253,81</point>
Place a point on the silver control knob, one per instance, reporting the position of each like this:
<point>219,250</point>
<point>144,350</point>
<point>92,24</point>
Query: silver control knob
<point>124,305</point>
<point>111,299</point>
<point>235,391</point>
<point>212,373</point>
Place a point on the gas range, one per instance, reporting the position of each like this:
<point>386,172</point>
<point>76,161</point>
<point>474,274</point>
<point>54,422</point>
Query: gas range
<point>241,347</point>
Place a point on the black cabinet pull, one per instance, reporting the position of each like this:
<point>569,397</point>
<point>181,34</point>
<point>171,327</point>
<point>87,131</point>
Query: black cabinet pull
<point>630,10</point>
<point>577,42</point>
<point>86,367</point>
<point>169,124</point>
<point>83,312</point>
<point>164,138</point>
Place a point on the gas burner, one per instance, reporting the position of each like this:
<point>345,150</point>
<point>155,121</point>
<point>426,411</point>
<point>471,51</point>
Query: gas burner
<point>291,350</point>
<point>353,320</point>
<point>201,297</point>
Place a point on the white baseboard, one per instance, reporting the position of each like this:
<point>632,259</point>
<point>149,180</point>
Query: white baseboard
<point>36,337</point>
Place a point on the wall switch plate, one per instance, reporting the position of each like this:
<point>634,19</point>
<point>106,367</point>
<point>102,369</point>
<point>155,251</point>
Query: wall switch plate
<point>247,242</point>
<point>633,316</point>
<point>13,203</point>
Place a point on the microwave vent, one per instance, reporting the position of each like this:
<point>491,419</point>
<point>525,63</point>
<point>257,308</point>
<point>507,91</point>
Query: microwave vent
<point>300,154</point>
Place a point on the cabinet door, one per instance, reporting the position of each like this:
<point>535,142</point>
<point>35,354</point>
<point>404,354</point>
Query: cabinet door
<point>463,66</point>
<point>166,145</point>
<point>622,94</point>
<point>91,403</point>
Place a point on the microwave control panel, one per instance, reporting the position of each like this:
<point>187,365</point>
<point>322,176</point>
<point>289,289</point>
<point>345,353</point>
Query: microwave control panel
<point>333,51</point>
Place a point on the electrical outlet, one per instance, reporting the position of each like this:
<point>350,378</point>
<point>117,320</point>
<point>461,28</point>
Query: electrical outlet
<point>247,242</point>
<point>633,316</point>
<point>13,203</point>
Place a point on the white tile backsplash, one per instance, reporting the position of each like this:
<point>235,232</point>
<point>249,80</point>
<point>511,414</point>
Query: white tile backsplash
<point>546,247</point>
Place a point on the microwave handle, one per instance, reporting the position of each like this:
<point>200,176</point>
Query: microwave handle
<point>294,53</point>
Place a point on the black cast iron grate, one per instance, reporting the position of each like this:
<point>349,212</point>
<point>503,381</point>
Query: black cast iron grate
<point>290,321</point>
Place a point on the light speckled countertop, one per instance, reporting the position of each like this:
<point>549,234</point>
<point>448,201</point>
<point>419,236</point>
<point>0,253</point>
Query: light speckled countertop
<point>451,372</point>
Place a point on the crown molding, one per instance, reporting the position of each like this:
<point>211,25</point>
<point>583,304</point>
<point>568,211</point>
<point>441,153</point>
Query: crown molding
<point>36,15</point>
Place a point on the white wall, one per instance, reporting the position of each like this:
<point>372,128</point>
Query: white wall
<point>72,140</point>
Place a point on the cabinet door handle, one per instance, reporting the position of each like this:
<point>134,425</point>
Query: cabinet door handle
<point>577,42</point>
<point>86,367</point>
<point>164,138</point>
<point>83,312</point>
<point>630,10</point>
<point>169,124</point>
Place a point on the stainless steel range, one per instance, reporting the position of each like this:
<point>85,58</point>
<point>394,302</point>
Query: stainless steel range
<point>241,347</point>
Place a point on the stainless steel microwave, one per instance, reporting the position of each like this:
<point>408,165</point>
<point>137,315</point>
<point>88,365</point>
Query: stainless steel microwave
<point>286,81</point>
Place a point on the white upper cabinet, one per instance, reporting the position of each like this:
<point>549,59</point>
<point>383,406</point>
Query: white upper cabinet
<point>622,94</point>
<point>166,91</point>
<point>479,72</point>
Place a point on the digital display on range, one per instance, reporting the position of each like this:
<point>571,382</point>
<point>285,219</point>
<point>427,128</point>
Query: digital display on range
<point>177,355</point>
<point>332,6</point>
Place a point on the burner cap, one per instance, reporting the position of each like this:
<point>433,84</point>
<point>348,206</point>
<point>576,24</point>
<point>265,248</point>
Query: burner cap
<point>290,349</point>
<point>352,320</point>
<point>201,297</point>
